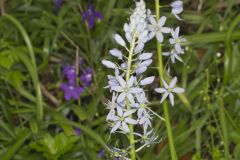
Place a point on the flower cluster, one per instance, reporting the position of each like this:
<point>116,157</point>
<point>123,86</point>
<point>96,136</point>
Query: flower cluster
<point>129,105</point>
<point>90,16</point>
<point>71,88</point>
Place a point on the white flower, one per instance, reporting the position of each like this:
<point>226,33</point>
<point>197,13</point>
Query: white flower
<point>176,40</point>
<point>126,89</point>
<point>177,8</point>
<point>168,90</point>
<point>173,54</point>
<point>122,119</point>
<point>156,28</point>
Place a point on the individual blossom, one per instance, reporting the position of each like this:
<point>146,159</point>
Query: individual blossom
<point>176,40</point>
<point>126,89</point>
<point>168,90</point>
<point>173,55</point>
<point>90,16</point>
<point>157,28</point>
<point>70,73</point>
<point>58,4</point>
<point>121,120</point>
<point>71,91</point>
<point>86,77</point>
<point>177,8</point>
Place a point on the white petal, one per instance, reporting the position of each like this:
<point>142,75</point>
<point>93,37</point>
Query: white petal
<point>130,98</point>
<point>178,48</point>
<point>171,98</point>
<point>119,111</point>
<point>131,121</point>
<point>146,62</point>
<point>171,41</point>
<point>111,115</point>
<point>179,58</point>
<point>166,30</point>
<point>166,53</point>
<point>177,31</point>
<point>159,37</point>
<point>162,21</point>
<point>173,58</point>
<point>164,96</point>
<point>124,65</point>
<point>128,37</point>
<point>139,47</point>
<point>152,20</point>
<point>119,40</point>
<point>165,84</point>
<point>141,69</point>
<point>117,88</point>
<point>115,52</point>
<point>140,112</point>
<point>135,90</point>
<point>147,80</point>
<point>121,97</point>
<point>121,81</point>
<point>151,35</point>
<point>160,90</point>
<point>145,56</point>
<point>178,90</point>
<point>129,112</point>
<point>125,127</point>
<point>126,27</point>
<point>131,81</point>
<point>108,64</point>
<point>116,126</point>
<point>173,82</point>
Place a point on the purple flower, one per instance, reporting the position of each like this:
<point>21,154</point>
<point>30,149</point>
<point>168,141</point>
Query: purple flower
<point>86,77</point>
<point>77,131</point>
<point>58,4</point>
<point>101,153</point>
<point>70,73</point>
<point>71,91</point>
<point>90,15</point>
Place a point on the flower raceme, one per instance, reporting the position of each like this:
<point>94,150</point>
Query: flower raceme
<point>129,105</point>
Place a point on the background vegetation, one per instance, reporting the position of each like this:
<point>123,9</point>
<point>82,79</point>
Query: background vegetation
<point>38,39</point>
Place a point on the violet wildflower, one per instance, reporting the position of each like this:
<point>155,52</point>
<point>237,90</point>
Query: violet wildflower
<point>71,91</point>
<point>90,15</point>
<point>86,77</point>
<point>58,4</point>
<point>77,131</point>
<point>70,73</point>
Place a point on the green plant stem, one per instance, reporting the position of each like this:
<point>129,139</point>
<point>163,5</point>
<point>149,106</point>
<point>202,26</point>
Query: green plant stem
<point>224,127</point>
<point>165,106</point>
<point>129,63</point>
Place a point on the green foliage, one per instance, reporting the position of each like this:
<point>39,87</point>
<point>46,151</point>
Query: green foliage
<point>54,147</point>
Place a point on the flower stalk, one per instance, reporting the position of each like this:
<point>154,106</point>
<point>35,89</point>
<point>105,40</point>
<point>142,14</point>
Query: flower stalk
<point>165,106</point>
<point>131,128</point>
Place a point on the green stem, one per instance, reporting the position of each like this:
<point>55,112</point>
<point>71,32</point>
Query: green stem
<point>165,106</point>
<point>224,127</point>
<point>129,63</point>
